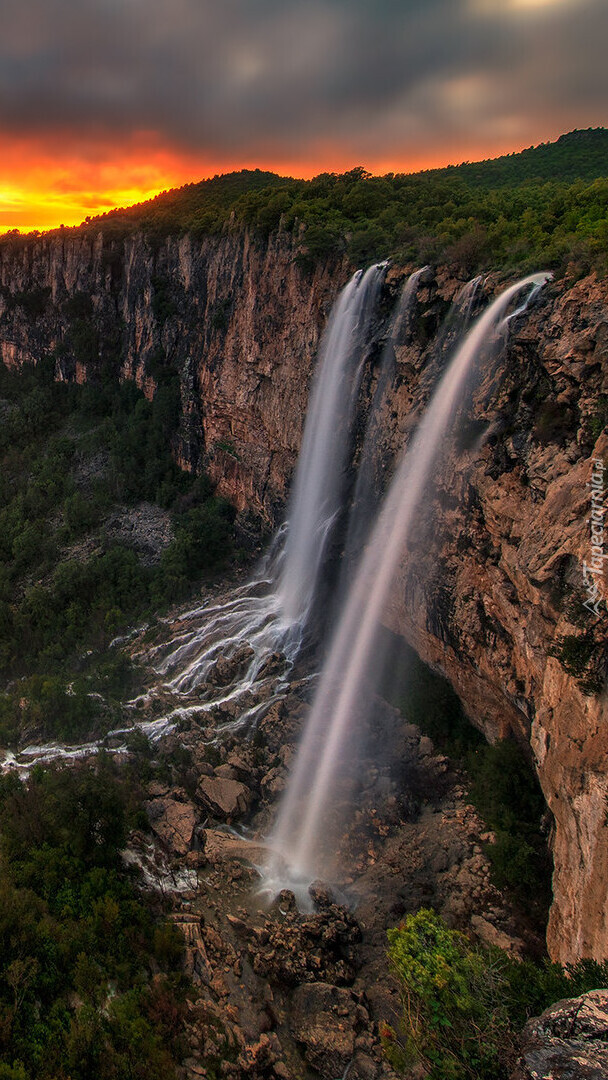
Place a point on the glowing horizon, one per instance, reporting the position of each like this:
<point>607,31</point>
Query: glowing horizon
<point>40,191</point>
<point>107,104</point>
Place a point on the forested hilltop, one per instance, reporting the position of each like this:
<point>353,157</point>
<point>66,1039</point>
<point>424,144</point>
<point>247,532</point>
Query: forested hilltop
<point>547,204</point>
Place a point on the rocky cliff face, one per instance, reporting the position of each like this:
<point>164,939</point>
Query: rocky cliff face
<point>492,590</point>
<point>234,316</point>
<point>493,586</point>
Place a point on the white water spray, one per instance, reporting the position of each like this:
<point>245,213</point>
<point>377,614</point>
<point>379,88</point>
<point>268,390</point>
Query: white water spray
<point>346,682</point>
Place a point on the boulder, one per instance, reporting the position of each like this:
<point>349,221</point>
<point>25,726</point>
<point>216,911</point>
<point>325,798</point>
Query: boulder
<point>173,819</point>
<point>569,1041</point>
<point>221,847</point>
<point>323,1019</point>
<point>196,962</point>
<point>227,668</point>
<point>224,798</point>
<point>491,935</point>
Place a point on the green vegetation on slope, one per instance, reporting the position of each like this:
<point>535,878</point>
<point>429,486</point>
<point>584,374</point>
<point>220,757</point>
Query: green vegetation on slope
<point>70,456</point>
<point>578,155</point>
<point>90,980</point>
<point>547,205</point>
<point>464,1005</point>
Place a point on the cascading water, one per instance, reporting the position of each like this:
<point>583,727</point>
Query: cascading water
<point>269,613</point>
<point>317,488</point>
<point>346,686</point>
<point>229,645</point>
<point>365,498</point>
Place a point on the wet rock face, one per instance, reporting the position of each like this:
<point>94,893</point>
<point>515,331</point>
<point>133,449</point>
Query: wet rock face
<point>569,1041</point>
<point>494,579</point>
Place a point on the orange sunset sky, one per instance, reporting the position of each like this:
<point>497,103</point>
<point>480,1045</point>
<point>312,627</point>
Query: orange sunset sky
<point>108,103</point>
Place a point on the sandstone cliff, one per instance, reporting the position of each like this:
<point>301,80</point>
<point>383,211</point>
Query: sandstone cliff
<point>500,588</point>
<point>235,317</point>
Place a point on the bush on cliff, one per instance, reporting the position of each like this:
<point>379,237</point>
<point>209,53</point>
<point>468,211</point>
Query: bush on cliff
<point>464,1004</point>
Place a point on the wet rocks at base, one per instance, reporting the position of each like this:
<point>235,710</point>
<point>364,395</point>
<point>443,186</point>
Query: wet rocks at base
<point>284,994</point>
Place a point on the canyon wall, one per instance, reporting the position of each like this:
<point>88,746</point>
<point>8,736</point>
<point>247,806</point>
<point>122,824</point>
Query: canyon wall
<point>234,317</point>
<point>492,591</point>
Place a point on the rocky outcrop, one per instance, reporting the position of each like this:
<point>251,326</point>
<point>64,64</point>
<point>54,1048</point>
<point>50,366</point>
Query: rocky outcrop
<point>224,798</point>
<point>233,315</point>
<point>569,1041</point>
<point>491,591</point>
<point>324,1019</point>
<point>173,819</point>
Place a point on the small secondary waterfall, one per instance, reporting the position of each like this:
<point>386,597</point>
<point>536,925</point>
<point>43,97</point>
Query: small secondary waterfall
<point>317,489</point>
<point>346,685</point>
<point>365,498</point>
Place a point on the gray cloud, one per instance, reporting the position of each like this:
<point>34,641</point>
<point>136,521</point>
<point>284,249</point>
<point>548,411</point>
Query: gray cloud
<point>380,78</point>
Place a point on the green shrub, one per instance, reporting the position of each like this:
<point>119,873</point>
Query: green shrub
<point>553,423</point>
<point>464,1005</point>
<point>90,981</point>
<point>580,655</point>
<point>599,421</point>
<point>456,1023</point>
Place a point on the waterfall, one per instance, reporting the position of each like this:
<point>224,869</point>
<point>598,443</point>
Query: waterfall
<point>318,483</point>
<point>269,613</point>
<point>346,684</point>
<point>233,653</point>
<point>365,496</point>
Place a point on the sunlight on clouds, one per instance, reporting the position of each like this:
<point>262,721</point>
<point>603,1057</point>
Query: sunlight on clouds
<point>246,66</point>
<point>499,7</point>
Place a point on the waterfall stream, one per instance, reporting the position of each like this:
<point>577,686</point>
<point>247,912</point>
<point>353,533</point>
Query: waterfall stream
<point>304,828</point>
<point>366,494</point>
<point>232,654</point>
<point>317,489</point>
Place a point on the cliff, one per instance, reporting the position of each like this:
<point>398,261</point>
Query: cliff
<point>494,584</point>
<point>500,589</point>
<point>234,317</point>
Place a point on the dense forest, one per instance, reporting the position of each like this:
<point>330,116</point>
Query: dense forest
<point>90,976</point>
<point>546,205</point>
<point>73,459</point>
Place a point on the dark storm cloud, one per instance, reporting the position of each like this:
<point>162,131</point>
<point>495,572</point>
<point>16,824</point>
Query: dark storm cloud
<point>251,76</point>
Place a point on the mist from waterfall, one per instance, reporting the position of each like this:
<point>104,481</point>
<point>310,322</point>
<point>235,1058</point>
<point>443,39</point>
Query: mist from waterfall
<point>305,824</point>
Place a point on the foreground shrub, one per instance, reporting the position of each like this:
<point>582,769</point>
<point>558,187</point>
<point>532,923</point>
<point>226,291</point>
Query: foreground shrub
<point>464,1005</point>
<point>455,1020</point>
